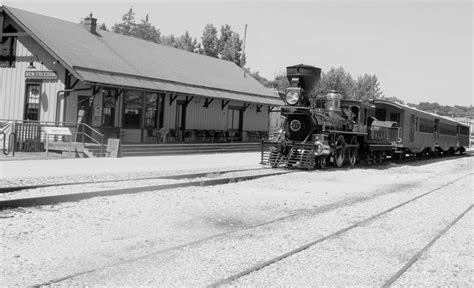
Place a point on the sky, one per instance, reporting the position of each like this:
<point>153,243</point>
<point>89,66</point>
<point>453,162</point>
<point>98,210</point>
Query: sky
<point>421,51</point>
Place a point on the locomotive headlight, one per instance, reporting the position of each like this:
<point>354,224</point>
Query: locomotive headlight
<point>292,96</point>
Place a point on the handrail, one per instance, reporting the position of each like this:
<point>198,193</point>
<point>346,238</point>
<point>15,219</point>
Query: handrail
<point>393,134</point>
<point>4,142</point>
<point>91,136</point>
<point>11,142</point>
<point>87,131</point>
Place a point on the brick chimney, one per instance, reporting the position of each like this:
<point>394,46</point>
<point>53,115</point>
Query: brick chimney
<point>90,23</point>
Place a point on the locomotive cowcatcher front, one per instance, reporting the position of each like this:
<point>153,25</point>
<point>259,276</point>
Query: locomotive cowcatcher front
<point>321,130</point>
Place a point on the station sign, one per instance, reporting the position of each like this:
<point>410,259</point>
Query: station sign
<point>113,148</point>
<point>64,131</point>
<point>41,75</point>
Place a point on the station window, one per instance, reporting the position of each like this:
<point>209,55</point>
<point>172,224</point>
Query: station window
<point>8,48</point>
<point>133,107</point>
<point>32,102</point>
<point>151,110</point>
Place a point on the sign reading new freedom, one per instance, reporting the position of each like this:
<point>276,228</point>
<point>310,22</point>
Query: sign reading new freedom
<point>41,75</point>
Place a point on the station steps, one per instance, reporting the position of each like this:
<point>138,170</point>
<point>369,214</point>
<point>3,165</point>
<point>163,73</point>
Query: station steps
<point>135,150</point>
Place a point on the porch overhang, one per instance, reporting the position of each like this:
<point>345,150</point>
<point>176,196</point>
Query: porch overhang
<point>104,78</point>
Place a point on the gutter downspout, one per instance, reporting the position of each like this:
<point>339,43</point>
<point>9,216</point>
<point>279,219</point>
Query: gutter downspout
<point>58,100</point>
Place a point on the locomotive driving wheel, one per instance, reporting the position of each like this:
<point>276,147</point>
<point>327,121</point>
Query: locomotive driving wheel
<point>353,151</point>
<point>322,162</point>
<point>339,151</point>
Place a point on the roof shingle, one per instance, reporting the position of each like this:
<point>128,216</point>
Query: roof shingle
<point>107,54</point>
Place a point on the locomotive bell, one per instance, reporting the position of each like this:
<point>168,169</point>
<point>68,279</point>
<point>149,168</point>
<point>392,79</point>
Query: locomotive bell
<point>303,76</point>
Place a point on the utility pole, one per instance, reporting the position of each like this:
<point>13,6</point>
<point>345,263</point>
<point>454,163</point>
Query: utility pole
<point>243,49</point>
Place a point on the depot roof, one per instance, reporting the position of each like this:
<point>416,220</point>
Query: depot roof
<point>114,59</point>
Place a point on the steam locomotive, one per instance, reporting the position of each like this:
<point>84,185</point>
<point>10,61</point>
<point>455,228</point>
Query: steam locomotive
<point>323,130</point>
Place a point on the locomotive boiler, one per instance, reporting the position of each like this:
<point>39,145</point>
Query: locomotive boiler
<point>324,129</point>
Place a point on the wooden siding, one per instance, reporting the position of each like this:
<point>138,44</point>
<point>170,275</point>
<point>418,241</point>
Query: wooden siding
<point>12,88</point>
<point>214,117</point>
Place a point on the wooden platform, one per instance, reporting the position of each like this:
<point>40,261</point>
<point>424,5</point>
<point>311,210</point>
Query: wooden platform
<point>133,150</point>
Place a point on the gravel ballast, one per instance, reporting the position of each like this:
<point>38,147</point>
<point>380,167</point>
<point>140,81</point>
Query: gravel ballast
<point>49,242</point>
<point>369,255</point>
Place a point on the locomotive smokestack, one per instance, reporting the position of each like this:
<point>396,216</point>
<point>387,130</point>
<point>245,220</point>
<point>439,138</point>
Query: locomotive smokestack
<point>307,75</point>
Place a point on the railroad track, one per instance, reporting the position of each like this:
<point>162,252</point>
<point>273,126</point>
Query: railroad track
<point>304,247</point>
<point>203,174</point>
<point>178,176</point>
<point>417,256</point>
<point>327,208</point>
<point>72,197</point>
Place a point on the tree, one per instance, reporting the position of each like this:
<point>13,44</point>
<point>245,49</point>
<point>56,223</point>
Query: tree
<point>226,33</point>
<point>450,111</point>
<point>262,80</point>
<point>393,99</point>
<point>232,49</point>
<point>243,60</point>
<point>146,31</point>
<point>367,87</point>
<point>185,42</point>
<point>197,47</point>
<point>335,79</point>
<point>210,42</point>
<point>169,41</point>
<point>103,27</point>
<point>128,23</point>
<point>280,83</point>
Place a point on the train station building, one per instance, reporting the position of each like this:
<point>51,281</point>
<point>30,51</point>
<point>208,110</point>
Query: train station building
<point>55,71</point>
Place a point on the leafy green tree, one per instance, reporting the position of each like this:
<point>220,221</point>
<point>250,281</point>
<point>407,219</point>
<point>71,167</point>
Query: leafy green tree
<point>146,31</point>
<point>128,23</point>
<point>367,87</point>
<point>210,42</point>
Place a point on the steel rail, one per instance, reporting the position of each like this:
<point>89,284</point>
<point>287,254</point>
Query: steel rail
<point>400,272</point>
<point>274,260</point>
<point>54,199</point>
<point>325,208</point>
<point>178,176</point>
